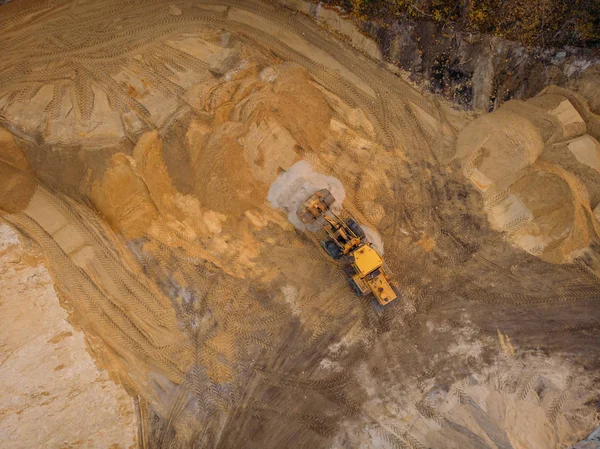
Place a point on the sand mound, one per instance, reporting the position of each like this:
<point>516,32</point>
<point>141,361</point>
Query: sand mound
<point>546,213</point>
<point>229,326</point>
<point>538,173</point>
<point>18,182</point>
<point>587,85</point>
<point>582,103</point>
<point>123,198</point>
<point>136,192</point>
<point>569,123</point>
<point>224,181</point>
<point>580,156</point>
<point>138,199</point>
<point>289,96</point>
<point>262,120</point>
<point>496,147</point>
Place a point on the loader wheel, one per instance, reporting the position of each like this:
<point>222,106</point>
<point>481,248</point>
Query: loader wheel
<point>353,225</point>
<point>377,307</point>
<point>346,264</point>
<point>331,249</point>
<point>355,288</point>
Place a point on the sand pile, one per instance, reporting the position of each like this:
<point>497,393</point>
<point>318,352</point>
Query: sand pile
<point>538,172</point>
<point>587,86</point>
<point>135,191</point>
<point>46,370</point>
<point>18,182</point>
<point>243,153</point>
<point>519,401</point>
<point>123,198</point>
<point>263,118</point>
<point>496,147</point>
<point>170,136</point>
<point>257,127</point>
<point>138,199</point>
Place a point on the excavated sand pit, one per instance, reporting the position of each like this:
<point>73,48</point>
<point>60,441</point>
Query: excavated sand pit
<point>155,153</point>
<point>48,379</point>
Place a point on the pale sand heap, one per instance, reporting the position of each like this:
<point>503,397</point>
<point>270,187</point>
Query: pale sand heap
<point>538,173</point>
<point>51,392</point>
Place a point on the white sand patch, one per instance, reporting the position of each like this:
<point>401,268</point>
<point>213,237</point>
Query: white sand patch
<point>52,394</point>
<point>374,238</point>
<point>294,186</point>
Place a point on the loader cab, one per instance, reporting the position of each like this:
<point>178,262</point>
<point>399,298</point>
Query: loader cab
<point>371,275</point>
<point>366,260</point>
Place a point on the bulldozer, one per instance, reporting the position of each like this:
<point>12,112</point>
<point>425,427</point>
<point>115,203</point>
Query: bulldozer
<point>347,239</point>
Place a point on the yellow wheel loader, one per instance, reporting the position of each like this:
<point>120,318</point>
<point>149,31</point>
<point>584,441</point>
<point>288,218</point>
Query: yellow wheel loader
<point>346,238</point>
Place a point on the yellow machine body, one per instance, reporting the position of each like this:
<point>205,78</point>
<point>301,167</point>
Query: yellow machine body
<point>371,274</point>
<point>347,239</point>
<point>342,235</point>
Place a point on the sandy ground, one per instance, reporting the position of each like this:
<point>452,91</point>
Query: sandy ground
<point>52,393</point>
<point>155,158</point>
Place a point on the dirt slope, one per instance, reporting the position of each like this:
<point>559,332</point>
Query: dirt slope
<point>48,380</point>
<point>148,145</point>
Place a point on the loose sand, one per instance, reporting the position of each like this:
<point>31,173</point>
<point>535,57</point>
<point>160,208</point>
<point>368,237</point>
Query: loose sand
<point>157,154</point>
<point>52,393</point>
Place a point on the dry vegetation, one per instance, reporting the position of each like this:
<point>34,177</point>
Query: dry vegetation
<point>545,22</point>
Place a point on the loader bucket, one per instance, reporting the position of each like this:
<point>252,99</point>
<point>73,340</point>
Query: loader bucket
<point>314,207</point>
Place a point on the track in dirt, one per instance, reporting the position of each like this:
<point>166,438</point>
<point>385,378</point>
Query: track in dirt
<point>235,365</point>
